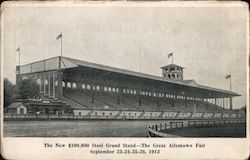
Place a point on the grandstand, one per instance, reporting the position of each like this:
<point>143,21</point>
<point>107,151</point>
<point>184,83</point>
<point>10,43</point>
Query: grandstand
<point>99,91</point>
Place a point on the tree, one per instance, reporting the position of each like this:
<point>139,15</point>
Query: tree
<point>27,89</point>
<point>8,93</point>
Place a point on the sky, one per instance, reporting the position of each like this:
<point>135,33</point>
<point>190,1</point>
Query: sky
<point>210,42</point>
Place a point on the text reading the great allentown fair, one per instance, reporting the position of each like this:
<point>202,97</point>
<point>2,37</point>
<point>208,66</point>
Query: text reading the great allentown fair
<point>124,148</point>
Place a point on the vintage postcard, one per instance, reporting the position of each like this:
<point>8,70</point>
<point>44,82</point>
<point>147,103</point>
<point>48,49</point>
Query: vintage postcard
<point>124,80</point>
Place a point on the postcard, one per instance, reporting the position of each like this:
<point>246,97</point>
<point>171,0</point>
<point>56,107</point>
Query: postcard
<point>124,80</point>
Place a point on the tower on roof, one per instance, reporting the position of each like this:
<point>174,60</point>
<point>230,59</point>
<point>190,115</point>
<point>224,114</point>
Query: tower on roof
<point>172,72</point>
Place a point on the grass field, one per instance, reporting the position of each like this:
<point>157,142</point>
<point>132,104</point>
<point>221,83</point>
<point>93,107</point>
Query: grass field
<point>107,128</point>
<point>77,128</point>
<point>231,130</point>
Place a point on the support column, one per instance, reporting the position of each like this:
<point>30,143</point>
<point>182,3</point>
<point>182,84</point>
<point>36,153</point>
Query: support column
<point>49,85</point>
<point>196,102</point>
<point>59,87</point>
<point>118,96</point>
<point>44,85</point>
<point>207,103</point>
<point>157,99</point>
<point>186,101</point>
<point>139,93</point>
<point>173,100</point>
<point>54,87</point>
<point>227,103</point>
<point>40,85</point>
<point>223,103</point>
<point>231,103</point>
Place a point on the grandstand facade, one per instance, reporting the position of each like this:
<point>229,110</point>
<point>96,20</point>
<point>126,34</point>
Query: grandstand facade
<point>96,90</point>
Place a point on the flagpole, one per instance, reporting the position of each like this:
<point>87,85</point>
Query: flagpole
<point>61,44</point>
<point>230,82</point>
<point>60,57</point>
<point>19,55</point>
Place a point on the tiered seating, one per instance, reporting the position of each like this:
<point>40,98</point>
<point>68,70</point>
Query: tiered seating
<point>212,107</point>
<point>83,99</point>
<point>134,101</point>
<point>113,100</point>
<point>73,103</point>
<point>165,104</point>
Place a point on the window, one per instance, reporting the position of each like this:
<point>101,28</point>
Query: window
<point>109,89</point>
<point>93,87</point>
<point>38,81</point>
<point>117,90</point>
<point>96,113</point>
<point>98,88</point>
<point>83,86</point>
<point>63,84</point>
<point>131,91</point>
<point>103,113</point>
<point>74,85</point>
<point>56,83</point>
<point>124,90</point>
<point>110,113</point>
<point>68,84</point>
<point>88,86</point>
<point>46,82</point>
<point>149,93</point>
<point>114,89</point>
<point>105,89</point>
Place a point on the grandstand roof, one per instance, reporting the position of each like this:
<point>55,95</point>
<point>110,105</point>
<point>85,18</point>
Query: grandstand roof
<point>74,63</point>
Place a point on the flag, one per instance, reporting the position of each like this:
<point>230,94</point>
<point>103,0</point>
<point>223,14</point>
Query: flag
<point>59,36</point>
<point>228,76</point>
<point>170,54</point>
<point>18,49</point>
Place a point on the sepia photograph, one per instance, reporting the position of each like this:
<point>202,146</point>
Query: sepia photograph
<point>124,70</point>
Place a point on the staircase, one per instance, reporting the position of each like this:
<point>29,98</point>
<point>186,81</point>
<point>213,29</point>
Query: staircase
<point>162,112</point>
<point>119,113</point>
<point>142,114</point>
